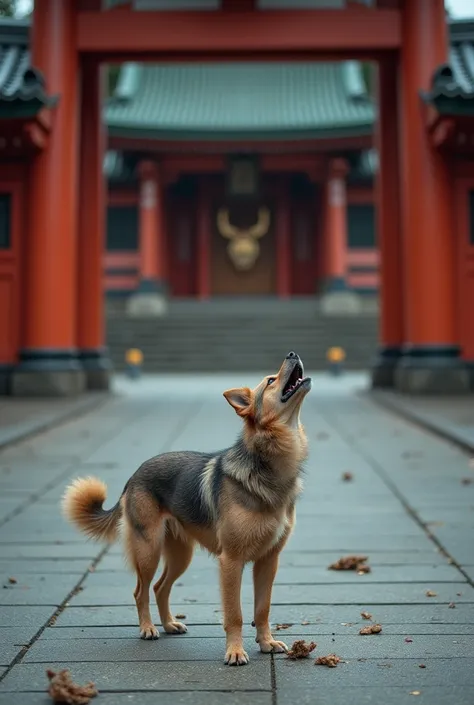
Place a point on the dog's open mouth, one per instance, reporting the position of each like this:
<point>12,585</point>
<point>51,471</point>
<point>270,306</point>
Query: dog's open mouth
<point>294,382</point>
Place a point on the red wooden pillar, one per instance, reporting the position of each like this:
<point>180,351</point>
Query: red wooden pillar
<point>431,361</point>
<point>388,227</point>
<point>90,313</point>
<point>150,297</point>
<point>204,240</point>
<point>335,226</point>
<point>48,360</point>
<point>282,226</point>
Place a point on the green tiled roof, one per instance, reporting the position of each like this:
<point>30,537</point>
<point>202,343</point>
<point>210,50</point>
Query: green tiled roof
<point>240,101</point>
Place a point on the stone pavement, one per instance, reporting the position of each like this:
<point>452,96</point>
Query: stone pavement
<point>452,417</point>
<point>406,508</point>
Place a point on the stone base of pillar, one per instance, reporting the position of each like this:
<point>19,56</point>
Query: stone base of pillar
<point>5,378</point>
<point>435,369</point>
<point>150,300</point>
<point>383,370</point>
<point>97,368</point>
<point>48,373</point>
<point>340,303</point>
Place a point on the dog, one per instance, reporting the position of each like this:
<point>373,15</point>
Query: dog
<point>238,504</point>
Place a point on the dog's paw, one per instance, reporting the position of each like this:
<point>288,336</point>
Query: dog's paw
<point>175,628</point>
<point>149,631</point>
<point>236,656</point>
<point>273,647</point>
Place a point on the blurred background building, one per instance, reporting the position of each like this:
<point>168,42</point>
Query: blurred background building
<point>240,215</point>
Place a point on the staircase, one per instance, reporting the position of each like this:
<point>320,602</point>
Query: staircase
<point>240,335</point>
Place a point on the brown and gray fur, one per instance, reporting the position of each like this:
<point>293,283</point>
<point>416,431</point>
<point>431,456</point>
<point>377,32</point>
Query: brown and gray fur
<point>238,503</point>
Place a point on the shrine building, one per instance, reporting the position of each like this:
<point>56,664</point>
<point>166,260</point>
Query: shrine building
<point>316,153</point>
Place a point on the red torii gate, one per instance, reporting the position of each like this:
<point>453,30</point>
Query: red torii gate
<point>63,302</point>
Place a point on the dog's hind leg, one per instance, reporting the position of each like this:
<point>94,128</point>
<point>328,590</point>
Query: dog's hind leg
<point>144,555</point>
<point>177,554</point>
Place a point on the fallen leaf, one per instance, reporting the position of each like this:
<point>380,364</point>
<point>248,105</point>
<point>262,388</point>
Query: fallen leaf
<point>349,563</point>
<point>180,616</point>
<point>347,476</point>
<point>12,581</point>
<point>330,661</point>
<point>371,629</point>
<point>278,627</point>
<point>409,640</point>
<point>431,593</point>
<point>467,481</point>
<point>366,615</point>
<point>415,692</point>
<point>452,606</point>
<point>421,665</point>
<point>301,649</point>
<point>305,622</point>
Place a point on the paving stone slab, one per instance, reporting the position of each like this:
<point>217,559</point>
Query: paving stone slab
<point>348,646</point>
<point>430,613</point>
<point>371,695</point>
<point>199,631</point>
<point>58,549</point>
<point>21,569</point>
<point>30,617</point>
<point>359,543</point>
<point>165,676</point>
<point>294,676</point>
<point>155,698</point>
<point>315,575</point>
<point>374,593</point>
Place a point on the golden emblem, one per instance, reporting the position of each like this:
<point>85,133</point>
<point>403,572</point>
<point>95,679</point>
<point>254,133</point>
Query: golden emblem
<point>243,248</point>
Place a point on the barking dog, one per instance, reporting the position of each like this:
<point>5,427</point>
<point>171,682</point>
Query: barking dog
<point>238,503</point>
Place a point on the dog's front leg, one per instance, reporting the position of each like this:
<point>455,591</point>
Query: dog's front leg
<point>231,581</point>
<point>264,571</point>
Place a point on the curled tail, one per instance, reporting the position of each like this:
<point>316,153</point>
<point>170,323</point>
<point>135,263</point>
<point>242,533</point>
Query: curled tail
<point>82,505</point>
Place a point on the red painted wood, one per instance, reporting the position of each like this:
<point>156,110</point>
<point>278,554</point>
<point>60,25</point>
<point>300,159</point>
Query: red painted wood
<point>49,319</point>
<point>391,330</point>
<point>11,182</point>
<point>152,226</point>
<point>90,304</point>
<point>360,195</point>
<point>335,218</point>
<point>263,147</point>
<point>238,33</point>
<point>465,269</point>
<point>428,253</point>
<point>126,197</point>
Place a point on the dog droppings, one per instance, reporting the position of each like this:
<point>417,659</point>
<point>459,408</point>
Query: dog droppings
<point>62,688</point>
<point>371,629</point>
<point>347,476</point>
<point>180,616</point>
<point>278,627</point>
<point>350,563</point>
<point>330,661</point>
<point>301,649</point>
<point>366,615</point>
<point>431,593</point>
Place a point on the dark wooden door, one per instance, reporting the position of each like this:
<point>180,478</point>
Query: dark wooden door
<point>181,243</point>
<point>227,279</point>
<point>465,278</point>
<point>303,239</point>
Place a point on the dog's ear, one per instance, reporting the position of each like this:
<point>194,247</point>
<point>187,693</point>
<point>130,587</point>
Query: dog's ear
<point>240,399</point>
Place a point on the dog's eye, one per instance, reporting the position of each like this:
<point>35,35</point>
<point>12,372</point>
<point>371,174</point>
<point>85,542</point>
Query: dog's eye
<point>270,381</point>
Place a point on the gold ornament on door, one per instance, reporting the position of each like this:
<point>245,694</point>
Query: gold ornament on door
<point>243,248</point>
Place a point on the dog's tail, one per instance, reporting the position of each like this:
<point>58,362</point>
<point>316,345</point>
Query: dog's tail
<point>82,505</point>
